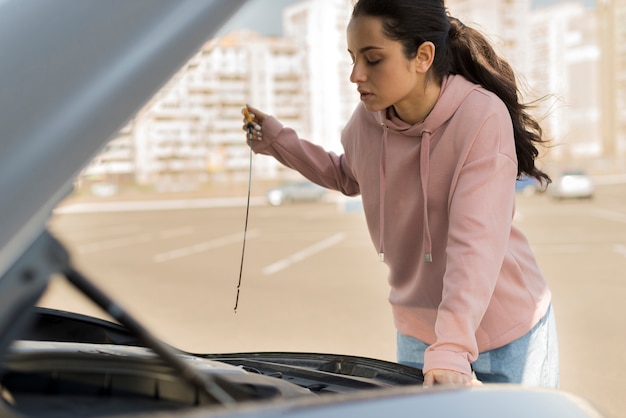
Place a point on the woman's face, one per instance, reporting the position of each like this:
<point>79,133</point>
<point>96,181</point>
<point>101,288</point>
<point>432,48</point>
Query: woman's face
<point>382,73</point>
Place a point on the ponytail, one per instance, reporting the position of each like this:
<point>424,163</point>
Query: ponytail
<point>473,57</point>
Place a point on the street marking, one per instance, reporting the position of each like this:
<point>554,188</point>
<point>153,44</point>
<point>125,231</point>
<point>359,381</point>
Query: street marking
<point>620,249</point>
<point>575,248</point>
<point>561,248</point>
<point>162,204</point>
<point>102,231</point>
<point>301,255</point>
<point>201,247</point>
<point>610,215</point>
<point>131,240</point>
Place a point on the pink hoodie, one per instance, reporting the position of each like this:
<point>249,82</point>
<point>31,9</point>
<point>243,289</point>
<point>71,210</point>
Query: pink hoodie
<point>439,200</point>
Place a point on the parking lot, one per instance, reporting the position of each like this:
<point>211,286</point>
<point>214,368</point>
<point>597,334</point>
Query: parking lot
<point>311,280</point>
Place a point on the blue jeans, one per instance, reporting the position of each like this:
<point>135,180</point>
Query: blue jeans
<point>532,359</point>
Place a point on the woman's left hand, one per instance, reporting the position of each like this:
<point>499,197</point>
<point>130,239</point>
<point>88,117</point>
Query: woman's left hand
<point>443,376</point>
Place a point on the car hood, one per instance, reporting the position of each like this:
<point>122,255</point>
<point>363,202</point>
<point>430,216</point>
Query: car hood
<point>72,74</point>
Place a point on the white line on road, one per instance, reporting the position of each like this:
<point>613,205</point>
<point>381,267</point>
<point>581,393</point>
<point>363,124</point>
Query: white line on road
<point>131,240</point>
<point>620,249</point>
<point>102,231</point>
<point>301,255</point>
<point>561,248</point>
<point>610,215</point>
<point>201,247</point>
<point>164,204</point>
<point>577,248</point>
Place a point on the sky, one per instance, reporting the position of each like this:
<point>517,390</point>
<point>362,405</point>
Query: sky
<point>265,16</point>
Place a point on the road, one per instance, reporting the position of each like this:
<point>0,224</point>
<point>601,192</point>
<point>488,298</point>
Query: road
<point>311,280</point>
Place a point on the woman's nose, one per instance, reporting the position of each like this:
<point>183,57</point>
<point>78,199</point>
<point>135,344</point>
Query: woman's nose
<point>357,75</point>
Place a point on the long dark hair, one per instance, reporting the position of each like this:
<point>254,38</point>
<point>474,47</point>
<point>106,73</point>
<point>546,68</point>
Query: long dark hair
<point>460,50</point>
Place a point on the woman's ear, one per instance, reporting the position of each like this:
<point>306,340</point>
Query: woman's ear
<point>425,57</point>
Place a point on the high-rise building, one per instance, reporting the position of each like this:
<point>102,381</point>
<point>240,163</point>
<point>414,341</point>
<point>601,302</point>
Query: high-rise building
<point>318,28</point>
<point>504,22</point>
<point>190,132</point>
<point>565,75</point>
<point>612,40</point>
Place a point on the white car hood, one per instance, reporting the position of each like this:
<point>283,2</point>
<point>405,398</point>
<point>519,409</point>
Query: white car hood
<point>72,73</point>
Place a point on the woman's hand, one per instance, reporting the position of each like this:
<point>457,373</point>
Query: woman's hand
<point>252,121</point>
<point>256,114</point>
<point>443,376</point>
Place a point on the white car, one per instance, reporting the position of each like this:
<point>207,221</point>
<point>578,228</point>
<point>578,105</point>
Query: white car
<point>572,184</point>
<point>295,191</point>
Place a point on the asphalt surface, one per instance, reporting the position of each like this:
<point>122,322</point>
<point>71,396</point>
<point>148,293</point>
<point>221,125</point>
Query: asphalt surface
<point>311,280</point>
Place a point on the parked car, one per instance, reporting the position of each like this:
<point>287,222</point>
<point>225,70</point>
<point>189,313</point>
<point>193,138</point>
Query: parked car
<point>572,184</point>
<point>528,186</point>
<point>72,74</point>
<point>295,191</point>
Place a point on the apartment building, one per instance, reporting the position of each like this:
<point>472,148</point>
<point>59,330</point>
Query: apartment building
<point>574,58</point>
<point>242,67</point>
<point>585,68</point>
<point>190,132</point>
<point>319,30</point>
<point>611,15</point>
<point>565,73</point>
<point>504,22</point>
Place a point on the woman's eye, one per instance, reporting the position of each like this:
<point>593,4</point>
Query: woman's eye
<point>368,61</point>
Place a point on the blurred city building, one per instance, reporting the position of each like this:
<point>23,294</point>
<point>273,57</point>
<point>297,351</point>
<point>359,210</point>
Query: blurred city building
<point>190,132</point>
<point>612,41</point>
<point>565,66</point>
<point>318,28</point>
<point>572,56</point>
<point>570,61</point>
<point>504,22</point>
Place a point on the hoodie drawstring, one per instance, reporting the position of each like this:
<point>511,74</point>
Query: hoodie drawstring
<point>381,238</point>
<point>424,171</point>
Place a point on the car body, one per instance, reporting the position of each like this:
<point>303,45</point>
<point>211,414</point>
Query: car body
<point>572,184</point>
<point>82,69</point>
<point>295,191</point>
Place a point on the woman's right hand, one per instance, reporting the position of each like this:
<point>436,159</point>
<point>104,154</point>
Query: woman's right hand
<point>252,122</point>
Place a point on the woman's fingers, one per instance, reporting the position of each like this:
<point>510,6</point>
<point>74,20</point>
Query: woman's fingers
<point>442,376</point>
<point>252,123</point>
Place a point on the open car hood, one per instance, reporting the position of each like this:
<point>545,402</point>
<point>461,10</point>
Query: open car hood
<point>72,74</point>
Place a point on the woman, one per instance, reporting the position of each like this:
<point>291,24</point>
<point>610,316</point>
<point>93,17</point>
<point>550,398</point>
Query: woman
<point>434,149</point>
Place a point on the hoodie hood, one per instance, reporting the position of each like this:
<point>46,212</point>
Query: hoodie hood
<point>454,89</point>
